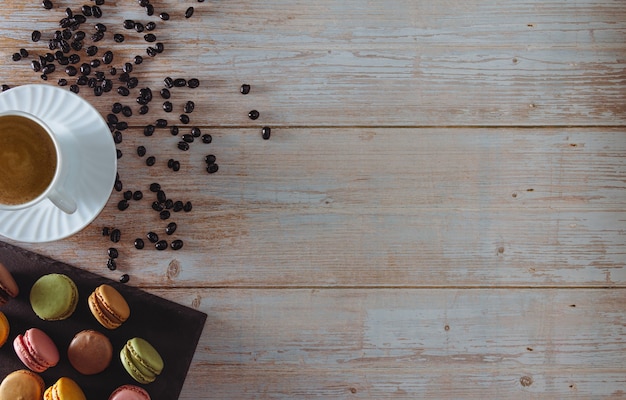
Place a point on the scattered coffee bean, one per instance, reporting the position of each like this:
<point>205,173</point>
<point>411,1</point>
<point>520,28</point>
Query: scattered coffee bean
<point>141,151</point>
<point>129,24</point>
<point>189,12</point>
<point>148,130</point>
<point>206,138</point>
<point>127,111</point>
<point>161,123</point>
<point>122,205</point>
<point>254,114</point>
<point>24,53</point>
<point>96,11</point>
<point>107,58</point>
<point>111,264</point>
<point>189,107</point>
<point>150,161</point>
<point>152,237</point>
<point>118,37</point>
<point>164,214</point>
<point>137,195</point>
<point>266,131</point>
<point>149,37</point>
<point>196,132</point>
<point>122,126</point>
<point>174,130</point>
<point>169,83</point>
<point>156,206</point>
<point>62,82</point>
<point>161,245</point>
<point>100,27</point>
<point>178,206</point>
<point>139,243</point>
<point>193,83</point>
<point>106,231</point>
<point>187,138</point>
<point>176,166</point>
<point>149,10</point>
<point>150,26</point>
<point>35,36</point>
<point>171,228</point>
<point>151,51</point>
<point>128,194</point>
<point>164,16</point>
<point>245,88</point>
<point>124,278</point>
<point>169,203</point>
<point>139,27</point>
<point>210,159</point>
<point>118,137</point>
<point>123,91</point>
<point>184,118</point>
<point>35,65</point>
<point>180,82</point>
<point>47,4</point>
<point>116,235</point>
<point>168,106</point>
<point>165,93</point>
<point>184,146</point>
<point>118,184</point>
<point>118,151</point>
<point>213,168</point>
<point>187,207</point>
<point>177,244</point>
<point>144,109</point>
<point>128,68</point>
<point>155,187</point>
<point>112,252</point>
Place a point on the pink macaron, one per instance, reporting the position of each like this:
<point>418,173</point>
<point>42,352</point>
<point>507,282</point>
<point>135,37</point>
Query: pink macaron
<point>36,350</point>
<point>129,392</point>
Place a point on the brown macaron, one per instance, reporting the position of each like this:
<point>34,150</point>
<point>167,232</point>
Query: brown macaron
<point>8,286</point>
<point>90,352</point>
<point>108,306</point>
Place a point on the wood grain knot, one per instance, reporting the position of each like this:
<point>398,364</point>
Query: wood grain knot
<point>526,381</point>
<point>446,328</point>
<point>352,390</point>
<point>173,270</point>
<point>195,303</point>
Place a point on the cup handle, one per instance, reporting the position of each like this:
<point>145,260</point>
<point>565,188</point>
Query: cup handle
<point>63,202</point>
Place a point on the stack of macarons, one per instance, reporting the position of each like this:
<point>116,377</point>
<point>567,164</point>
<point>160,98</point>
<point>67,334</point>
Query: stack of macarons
<point>142,361</point>
<point>36,350</point>
<point>54,297</point>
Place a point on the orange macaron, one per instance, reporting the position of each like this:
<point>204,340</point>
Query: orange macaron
<point>108,306</point>
<point>22,384</point>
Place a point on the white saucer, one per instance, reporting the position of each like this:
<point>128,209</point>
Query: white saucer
<point>92,173</point>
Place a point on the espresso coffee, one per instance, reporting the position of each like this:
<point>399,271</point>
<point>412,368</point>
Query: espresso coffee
<point>28,159</point>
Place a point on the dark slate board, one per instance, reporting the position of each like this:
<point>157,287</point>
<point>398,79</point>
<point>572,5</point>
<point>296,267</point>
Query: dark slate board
<point>173,329</point>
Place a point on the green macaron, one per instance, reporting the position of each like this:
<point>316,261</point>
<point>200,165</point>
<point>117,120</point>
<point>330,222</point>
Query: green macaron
<point>54,297</point>
<point>142,361</point>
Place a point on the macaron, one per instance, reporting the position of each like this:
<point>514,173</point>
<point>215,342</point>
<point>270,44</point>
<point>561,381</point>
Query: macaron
<point>141,360</point>
<point>22,384</point>
<point>54,297</point>
<point>64,389</point>
<point>108,306</point>
<point>8,286</point>
<point>90,352</point>
<point>129,392</point>
<point>4,329</point>
<point>36,350</point>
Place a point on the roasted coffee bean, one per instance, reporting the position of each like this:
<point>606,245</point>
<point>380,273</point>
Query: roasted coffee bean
<point>206,138</point>
<point>112,119</point>
<point>124,278</point>
<point>189,107</point>
<point>161,197</point>
<point>168,106</point>
<point>177,244</point>
<point>57,55</point>
<point>148,130</point>
<point>106,231</point>
<point>111,264</point>
<point>100,27</point>
<point>16,57</point>
<point>210,159</point>
<point>86,10</point>
<point>164,16</point>
<point>124,77</point>
<point>122,125</point>
<point>171,228</point>
<point>150,10</point>
<point>137,195</point>
<point>128,67</point>
<point>116,235</point>
<point>178,206</point>
<point>63,61</point>
<point>141,151</point>
<point>143,3</point>
<point>118,151</point>
<point>161,123</point>
<point>79,19</point>
<point>164,215</point>
<point>117,137</point>
<point>150,26</point>
<point>74,88</point>
<point>176,166</point>
<point>150,37</point>
<point>151,51</point>
<point>144,109</point>
<point>189,12</point>
<point>138,60</point>
<point>118,37</point>
<point>174,130</point>
<point>184,118</point>
<point>49,57</point>
<point>24,53</point>
<point>165,93</point>
<point>123,91</point>
<point>43,77</point>
<point>152,237</point>
<point>169,83</point>
<point>74,58</point>
<point>95,63</point>
<point>127,111</point>
<point>62,82</point>
<point>91,50</point>
<point>146,93</point>
<point>96,11</point>
<point>187,207</point>
<point>150,161</point>
<point>169,203</point>
<point>112,252</point>
<point>47,4</point>
<point>116,108</point>
<point>193,83</point>
<point>266,131</point>
<point>139,243</point>
<point>180,82</point>
<point>118,185</point>
<point>196,132</point>
<point>128,194</point>
<point>48,69</point>
<point>213,168</point>
<point>79,36</point>
<point>170,163</point>
<point>245,88</point>
<point>67,34</point>
<point>122,205</point>
<point>159,47</point>
<point>35,65</point>
<point>129,24</point>
<point>254,114</point>
<point>155,187</point>
<point>107,58</point>
<point>53,44</point>
<point>98,36</point>
<point>156,206</point>
<point>161,245</point>
<point>187,138</point>
<point>69,13</point>
<point>139,27</point>
<point>132,82</point>
<point>184,146</point>
<point>35,36</point>
<point>82,80</point>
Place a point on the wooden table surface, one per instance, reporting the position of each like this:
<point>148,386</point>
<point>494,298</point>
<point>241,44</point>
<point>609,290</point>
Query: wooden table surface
<point>439,213</point>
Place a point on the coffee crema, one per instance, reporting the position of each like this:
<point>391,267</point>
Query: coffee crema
<point>28,159</point>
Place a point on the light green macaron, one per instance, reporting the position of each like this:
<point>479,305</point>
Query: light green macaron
<point>54,297</point>
<point>142,361</point>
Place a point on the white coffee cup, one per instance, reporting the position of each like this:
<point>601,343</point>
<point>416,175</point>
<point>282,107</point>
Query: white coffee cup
<point>25,179</point>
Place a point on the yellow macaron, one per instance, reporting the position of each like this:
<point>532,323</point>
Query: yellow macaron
<point>64,388</point>
<point>4,329</point>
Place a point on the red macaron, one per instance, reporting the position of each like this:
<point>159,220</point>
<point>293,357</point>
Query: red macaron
<point>36,350</point>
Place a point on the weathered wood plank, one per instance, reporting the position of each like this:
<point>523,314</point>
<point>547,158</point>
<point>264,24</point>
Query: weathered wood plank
<point>370,207</point>
<point>356,62</point>
<point>408,344</point>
